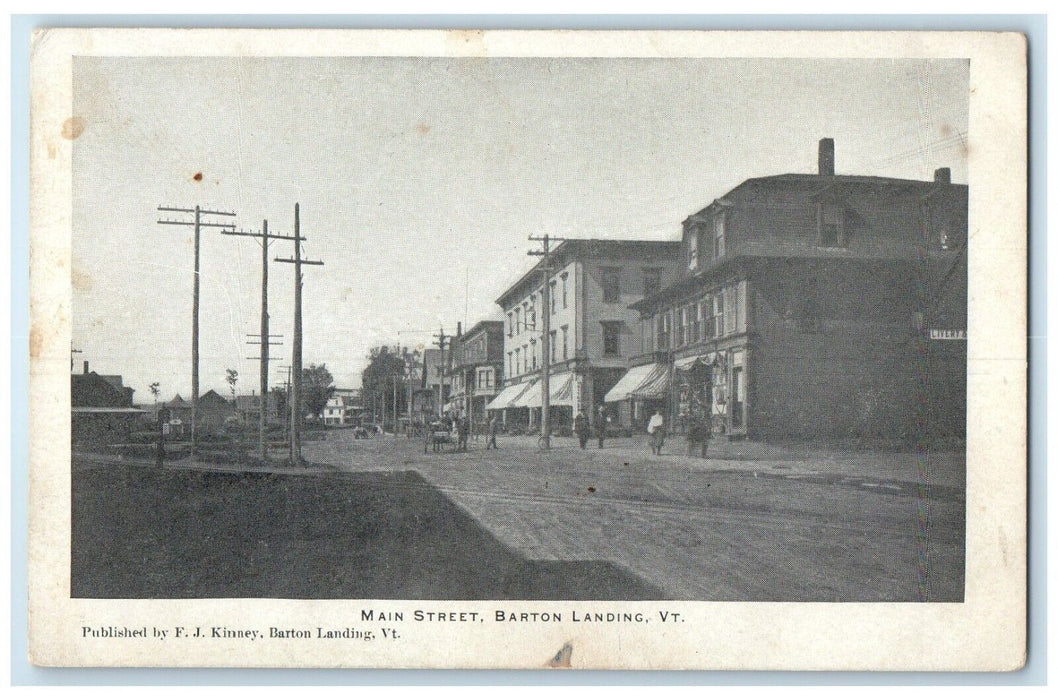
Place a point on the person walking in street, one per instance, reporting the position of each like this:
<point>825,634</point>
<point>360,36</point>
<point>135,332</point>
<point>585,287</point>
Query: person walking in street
<point>494,427</point>
<point>463,429</point>
<point>580,427</point>
<point>600,426</point>
<point>656,430</point>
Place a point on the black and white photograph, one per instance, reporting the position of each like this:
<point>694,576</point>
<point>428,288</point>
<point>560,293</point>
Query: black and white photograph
<point>464,342</point>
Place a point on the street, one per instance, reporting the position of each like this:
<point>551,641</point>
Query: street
<point>807,526</point>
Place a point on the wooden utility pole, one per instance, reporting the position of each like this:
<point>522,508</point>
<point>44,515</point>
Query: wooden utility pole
<point>442,339</point>
<point>545,370</point>
<point>264,338</point>
<point>198,224</point>
<point>295,398</point>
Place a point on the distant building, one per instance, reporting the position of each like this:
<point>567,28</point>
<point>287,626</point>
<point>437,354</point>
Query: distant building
<point>248,408</point>
<point>102,409</point>
<point>593,331</point>
<point>345,407</point>
<point>434,389</point>
<point>213,410</point>
<point>817,305</point>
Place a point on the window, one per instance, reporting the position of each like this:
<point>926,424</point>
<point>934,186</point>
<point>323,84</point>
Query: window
<point>651,281</point>
<point>517,361</point>
<point>611,285</point>
<point>681,327</point>
<point>705,317</point>
<point>611,338</point>
<point>694,311</point>
<point>731,306</point>
<point>692,249</point>
<point>718,315</point>
<point>510,325</point>
<point>740,303</point>
<point>525,354</point>
<point>552,344</point>
<point>510,365</point>
<point>664,331</point>
<point>719,235</point>
<point>831,226</point>
<point>565,342</point>
<point>552,298</point>
<point>525,315</point>
<point>534,354</point>
<point>517,321</point>
<point>565,298</point>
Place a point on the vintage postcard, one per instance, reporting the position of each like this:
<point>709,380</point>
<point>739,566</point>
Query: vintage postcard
<point>589,350</point>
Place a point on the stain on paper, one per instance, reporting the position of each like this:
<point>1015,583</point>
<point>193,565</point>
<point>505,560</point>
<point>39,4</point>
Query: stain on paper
<point>564,657</point>
<point>81,281</point>
<point>36,342</point>
<point>72,128</point>
<point>197,177</point>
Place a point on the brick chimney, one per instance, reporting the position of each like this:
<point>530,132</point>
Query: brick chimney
<point>942,176</point>
<point>86,366</point>
<point>826,156</point>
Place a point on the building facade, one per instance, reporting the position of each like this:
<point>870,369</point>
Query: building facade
<point>593,332</point>
<point>810,306</point>
<point>102,409</point>
<point>477,370</point>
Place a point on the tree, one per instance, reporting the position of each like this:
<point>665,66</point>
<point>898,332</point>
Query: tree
<point>377,380</point>
<point>317,387</point>
<point>232,377</point>
<point>155,389</point>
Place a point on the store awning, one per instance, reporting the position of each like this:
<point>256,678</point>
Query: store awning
<point>655,387</point>
<point>560,390</point>
<point>686,363</point>
<point>528,398</point>
<point>506,398</point>
<point>633,380</point>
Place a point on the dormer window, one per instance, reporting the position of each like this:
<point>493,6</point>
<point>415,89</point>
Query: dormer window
<point>692,249</point>
<point>719,235</point>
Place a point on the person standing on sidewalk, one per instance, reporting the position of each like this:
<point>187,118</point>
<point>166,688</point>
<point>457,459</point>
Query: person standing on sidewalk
<point>600,426</point>
<point>494,426</point>
<point>656,430</point>
<point>580,427</point>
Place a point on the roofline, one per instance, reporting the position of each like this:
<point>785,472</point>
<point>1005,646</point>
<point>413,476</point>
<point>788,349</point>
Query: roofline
<point>479,326</point>
<point>569,246</point>
<point>813,177</point>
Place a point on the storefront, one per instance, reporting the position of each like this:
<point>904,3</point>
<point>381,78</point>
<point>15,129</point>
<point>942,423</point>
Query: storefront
<point>514,413</point>
<point>646,389</point>
<point>562,392</point>
<point>713,386</point>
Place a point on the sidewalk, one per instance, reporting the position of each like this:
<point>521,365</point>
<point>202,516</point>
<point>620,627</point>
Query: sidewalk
<point>944,468</point>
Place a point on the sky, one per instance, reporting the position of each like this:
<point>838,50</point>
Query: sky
<point>420,180</point>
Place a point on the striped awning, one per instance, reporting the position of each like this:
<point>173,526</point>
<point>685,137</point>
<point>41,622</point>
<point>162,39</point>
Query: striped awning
<point>506,398</point>
<point>656,385</point>
<point>560,390</point>
<point>528,398</point>
<point>686,363</point>
<point>633,380</point>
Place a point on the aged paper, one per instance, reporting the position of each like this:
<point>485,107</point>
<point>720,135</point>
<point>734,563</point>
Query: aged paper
<point>779,488</point>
